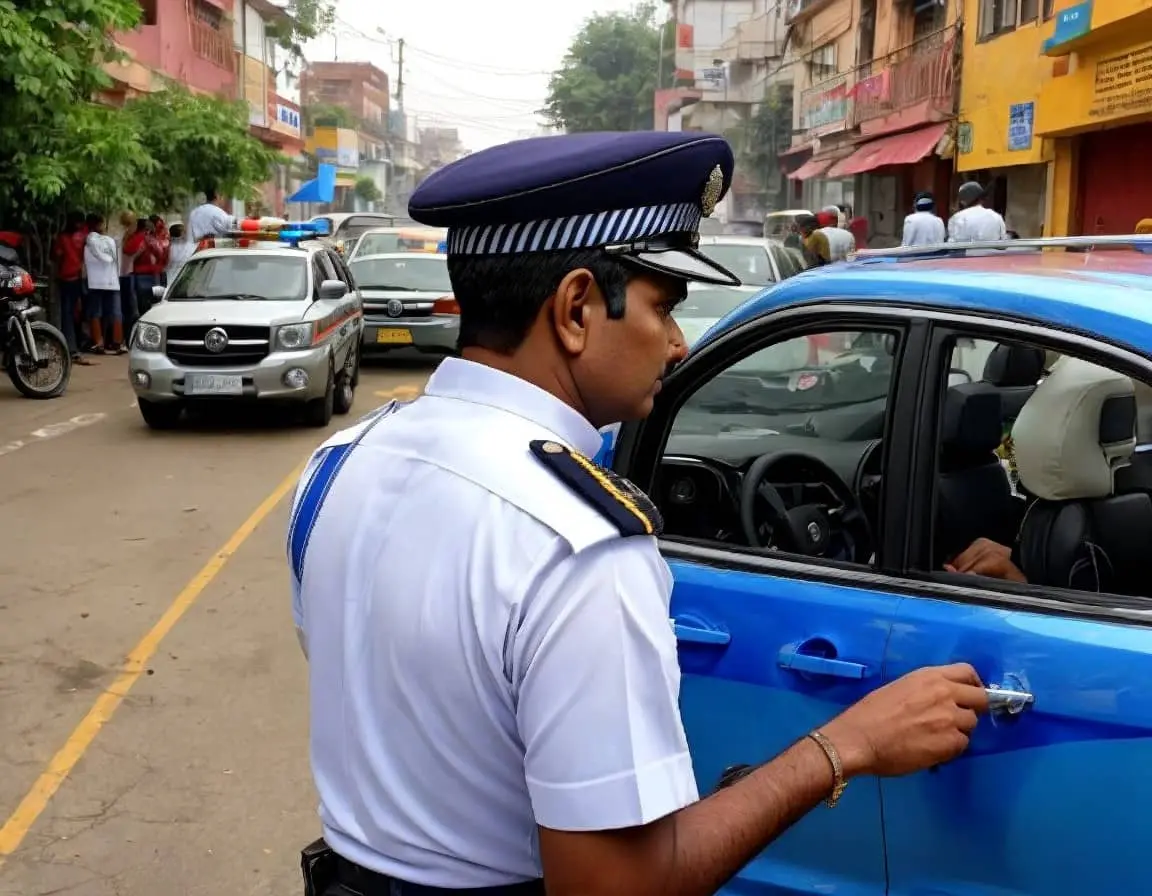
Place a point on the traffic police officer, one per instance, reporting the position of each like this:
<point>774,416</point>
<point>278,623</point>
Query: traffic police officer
<point>493,676</point>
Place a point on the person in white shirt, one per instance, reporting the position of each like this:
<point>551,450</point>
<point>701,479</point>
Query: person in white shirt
<point>975,222</point>
<point>493,676</point>
<point>210,219</point>
<point>102,268</point>
<point>923,227</point>
<point>180,249</point>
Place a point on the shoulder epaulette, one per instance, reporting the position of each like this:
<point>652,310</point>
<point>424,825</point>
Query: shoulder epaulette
<point>614,497</point>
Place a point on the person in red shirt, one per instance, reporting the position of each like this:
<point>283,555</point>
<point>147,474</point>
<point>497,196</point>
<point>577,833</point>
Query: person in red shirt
<point>68,256</point>
<point>146,269</point>
<point>165,241</point>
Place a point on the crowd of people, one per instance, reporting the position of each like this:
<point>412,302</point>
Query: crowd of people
<point>104,283</point>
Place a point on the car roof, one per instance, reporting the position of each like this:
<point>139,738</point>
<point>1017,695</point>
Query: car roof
<point>268,248</point>
<point>1108,293</point>
<point>734,239</point>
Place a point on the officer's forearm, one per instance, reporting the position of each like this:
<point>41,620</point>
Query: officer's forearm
<point>716,837</point>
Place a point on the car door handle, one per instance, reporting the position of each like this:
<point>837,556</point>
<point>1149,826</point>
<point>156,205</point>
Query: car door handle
<point>694,632</point>
<point>1006,701</point>
<point>794,658</point>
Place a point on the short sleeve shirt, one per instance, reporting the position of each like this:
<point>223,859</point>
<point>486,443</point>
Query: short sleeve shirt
<point>486,652</point>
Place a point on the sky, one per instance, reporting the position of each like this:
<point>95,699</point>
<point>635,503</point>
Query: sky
<point>482,67</point>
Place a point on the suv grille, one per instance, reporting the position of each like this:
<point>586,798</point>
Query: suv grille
<point>246,345</point>
<point>412,308</point>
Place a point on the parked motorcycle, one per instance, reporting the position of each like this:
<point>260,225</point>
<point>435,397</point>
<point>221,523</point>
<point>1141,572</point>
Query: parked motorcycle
<point>34,353</point>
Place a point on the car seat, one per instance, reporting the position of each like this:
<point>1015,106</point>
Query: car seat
<point>1073,434</point>
<point>1014,369</point>
<point>974,494</point>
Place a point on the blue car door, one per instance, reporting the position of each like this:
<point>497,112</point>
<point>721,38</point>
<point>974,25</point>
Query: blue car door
<point>774,642</point>
<point>1051,797</point>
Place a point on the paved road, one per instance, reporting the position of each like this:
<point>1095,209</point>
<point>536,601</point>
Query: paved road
<point>197,784</point>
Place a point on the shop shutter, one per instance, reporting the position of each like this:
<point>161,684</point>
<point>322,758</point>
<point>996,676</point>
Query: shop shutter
<point>1115,191</point>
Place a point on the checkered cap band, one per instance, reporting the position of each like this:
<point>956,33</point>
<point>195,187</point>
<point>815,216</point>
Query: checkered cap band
<point>576,231</point>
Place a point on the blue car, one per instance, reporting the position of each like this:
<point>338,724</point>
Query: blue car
<point>823,523</point>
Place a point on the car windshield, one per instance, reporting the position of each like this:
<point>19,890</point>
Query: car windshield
<point>704,306</point>
<point>748,261</point>
<point>384,243</point>
<point>244,276</point>
<point>412,273</point>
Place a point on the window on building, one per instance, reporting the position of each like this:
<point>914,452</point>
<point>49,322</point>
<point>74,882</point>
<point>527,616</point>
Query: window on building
<point>210,15</point>
<point>1002,16</point>
<point>822,63</point>
<point>1049,9</point>
<point>929,17</point>
<point>866,44</point>
<point>148,12</point>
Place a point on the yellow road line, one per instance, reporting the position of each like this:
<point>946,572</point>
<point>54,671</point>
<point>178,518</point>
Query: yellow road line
<point>62,764</point>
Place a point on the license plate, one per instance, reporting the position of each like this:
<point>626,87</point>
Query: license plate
<point>394,336</point>
<point>213,384</point>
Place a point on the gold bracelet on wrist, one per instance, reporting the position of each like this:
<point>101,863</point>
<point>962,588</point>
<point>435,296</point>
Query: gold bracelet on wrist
<point>839,781</point>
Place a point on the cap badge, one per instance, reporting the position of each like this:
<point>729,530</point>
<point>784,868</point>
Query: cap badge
<point>712,190</point>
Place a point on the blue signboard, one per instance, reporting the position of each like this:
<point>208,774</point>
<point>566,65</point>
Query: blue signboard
<point>1021,117</point>
<point>1071,23</point>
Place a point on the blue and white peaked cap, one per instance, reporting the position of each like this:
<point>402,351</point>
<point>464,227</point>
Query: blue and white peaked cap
<point>638,195</point>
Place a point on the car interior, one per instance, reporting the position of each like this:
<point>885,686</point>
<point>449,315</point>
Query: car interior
<point>1038,452</point>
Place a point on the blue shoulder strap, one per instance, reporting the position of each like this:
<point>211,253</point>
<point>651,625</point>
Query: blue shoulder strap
<point>326,464</point>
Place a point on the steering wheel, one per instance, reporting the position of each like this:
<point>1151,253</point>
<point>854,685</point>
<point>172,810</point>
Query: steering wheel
<point>836,531</point>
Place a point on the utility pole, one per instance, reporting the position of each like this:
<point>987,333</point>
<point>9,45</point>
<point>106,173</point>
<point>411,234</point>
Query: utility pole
<point>400,73</point>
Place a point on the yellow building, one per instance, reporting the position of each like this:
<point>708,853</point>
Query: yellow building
<point>1056,112</point>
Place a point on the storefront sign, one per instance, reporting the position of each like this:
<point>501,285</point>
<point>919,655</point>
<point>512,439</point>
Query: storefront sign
<point>826,109</point>
<point>1021,118</point>
<point>1123,83</point>
<point>289,118</point>
<point>1071,23</point>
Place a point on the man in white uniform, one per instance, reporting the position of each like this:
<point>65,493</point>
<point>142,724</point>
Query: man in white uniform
<point>210,219</point>
<point>923,227</point>
<point>493,675</point>
<point>975,222</point>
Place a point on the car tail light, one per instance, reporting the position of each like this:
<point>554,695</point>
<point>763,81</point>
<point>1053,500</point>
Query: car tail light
<point>22,284</point>
<point>446,305</point>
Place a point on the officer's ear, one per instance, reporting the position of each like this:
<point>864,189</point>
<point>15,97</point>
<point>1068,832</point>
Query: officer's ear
<point>571,307</point>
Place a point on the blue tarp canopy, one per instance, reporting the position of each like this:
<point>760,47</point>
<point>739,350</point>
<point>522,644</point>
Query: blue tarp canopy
<point>322,188</point>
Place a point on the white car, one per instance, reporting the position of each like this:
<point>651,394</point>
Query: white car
<point>269,322</point>
<point>755,260</point>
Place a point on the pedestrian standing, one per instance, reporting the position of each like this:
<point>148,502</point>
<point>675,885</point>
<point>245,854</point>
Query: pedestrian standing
<point>149,265</point>
<point>209,219</point>
<point>493,677</point>
<point>975,222</point>
<point>923,227</point>
<point>68,256</point>
<point>180,249</point>
<point>102,265</point>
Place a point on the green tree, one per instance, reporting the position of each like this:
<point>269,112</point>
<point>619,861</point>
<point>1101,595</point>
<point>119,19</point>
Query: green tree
<point>195,141</point>
<point>758,142</point>
<point>608,77</point>
<point>328,115</point>
<point>367,190</point>
<point>306,19</point>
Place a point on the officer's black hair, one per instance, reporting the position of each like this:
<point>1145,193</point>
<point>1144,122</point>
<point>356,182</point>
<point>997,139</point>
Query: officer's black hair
<point>500,296</point>
<point>210,194</point>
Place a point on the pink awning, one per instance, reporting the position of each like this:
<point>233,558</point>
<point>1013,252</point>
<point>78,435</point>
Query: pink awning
<point>899,149</point>
<point>810,169</point>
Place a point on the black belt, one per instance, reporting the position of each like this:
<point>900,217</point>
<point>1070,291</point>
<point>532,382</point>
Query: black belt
<point>373,883</point>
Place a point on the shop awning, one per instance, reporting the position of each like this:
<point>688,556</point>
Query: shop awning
<point>322,188</point>
<point>899,149</point>
<point>810,169</point>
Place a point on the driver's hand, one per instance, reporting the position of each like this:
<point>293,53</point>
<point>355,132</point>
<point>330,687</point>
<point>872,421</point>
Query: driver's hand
<point>985,557</point>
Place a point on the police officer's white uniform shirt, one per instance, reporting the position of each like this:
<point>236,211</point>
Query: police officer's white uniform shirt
<point>977,224</point>
<point>485,650</point>
<point>923,229</point>
<point>209,220</point>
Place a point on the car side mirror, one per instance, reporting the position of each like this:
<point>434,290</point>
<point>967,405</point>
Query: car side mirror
<point>158,293</point>
<point>332,290</point>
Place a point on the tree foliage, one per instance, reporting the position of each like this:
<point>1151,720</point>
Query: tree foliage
<point>367,190</point>
<point>608,77</point>
<point>758,142</point>
<point>306,19</point>
<point>327,115</point>
<point>64,150</point>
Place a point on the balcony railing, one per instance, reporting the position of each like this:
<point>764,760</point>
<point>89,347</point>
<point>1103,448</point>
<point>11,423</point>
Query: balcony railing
<point>924,71</point>
<point>211,44</point>
<point>802,9</point>
<point>827,107</point>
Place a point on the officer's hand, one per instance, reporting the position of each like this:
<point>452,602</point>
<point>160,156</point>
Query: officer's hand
<point>914,723</point>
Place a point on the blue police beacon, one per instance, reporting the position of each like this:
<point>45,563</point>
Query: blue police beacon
<point>484,609</point>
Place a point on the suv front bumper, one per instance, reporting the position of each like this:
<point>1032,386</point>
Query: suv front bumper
<point>155,377</point>
<point>435,334</point>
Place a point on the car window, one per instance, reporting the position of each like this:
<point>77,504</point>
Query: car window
<point>816,402</point>
<point>242,276</point>
<point>415,273</point>
<point>355,225</point>
<point>1034,448</point>
<point>328,269</point>
<point>789,261</point>
<point>748,261</point>
<point>341,269</point>
<point>378,244</point>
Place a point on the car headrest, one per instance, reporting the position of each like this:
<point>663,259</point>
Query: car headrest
<point>972,419</point>
<point>1013,366</point>
<point>1074,431</point>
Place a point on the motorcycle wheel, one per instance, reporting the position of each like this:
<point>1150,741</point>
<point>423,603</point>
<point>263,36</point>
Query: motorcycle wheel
<point>28,379</point>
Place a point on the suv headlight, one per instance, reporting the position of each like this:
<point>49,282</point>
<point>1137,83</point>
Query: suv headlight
<point>293,336</point>
<point>148,337</point>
